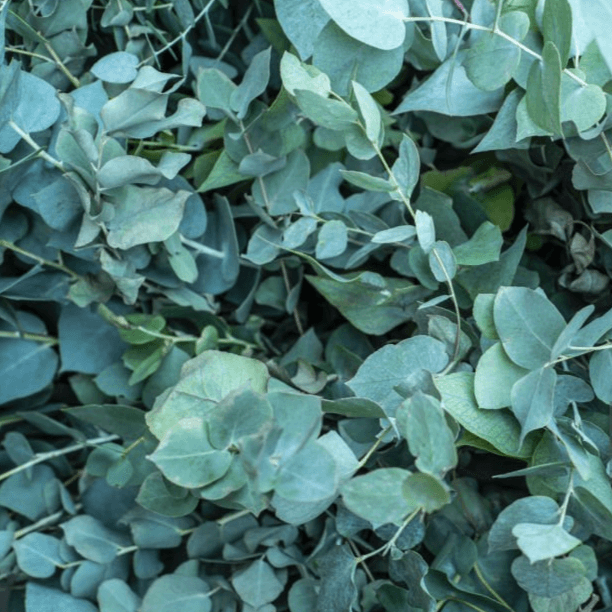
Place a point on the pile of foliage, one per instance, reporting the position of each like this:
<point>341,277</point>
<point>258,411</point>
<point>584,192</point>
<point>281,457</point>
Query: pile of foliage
<point>304,305</point>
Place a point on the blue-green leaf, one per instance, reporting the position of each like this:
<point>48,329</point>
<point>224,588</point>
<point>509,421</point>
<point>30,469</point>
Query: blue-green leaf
<point>175,592</point>
<point>38,554</point>
<point>258,584</point>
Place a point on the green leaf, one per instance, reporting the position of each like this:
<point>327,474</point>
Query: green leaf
<point>372,303</point>
<point>483,315</point>
<point>528,325</point>
<point>115,595</point>
<point>275,191</point>
<point>425,230</point>
<point>332,239</point>
<point>377,25</point>
<point>125,421</point>
<point>362,495</point>
<point>597,15</point>
<point>442,261</point>
<point>345,60</point>
<point>310,475</point>
<point>38,555</point>
<point>92,539</point>
<point>600,371</point>
<point>369,111</point>
<point>88,344</point>
<point>543,94</point>
<point>557,27</point>
<point>499,428</point>
<point>186,457</point>
<point>483,247</point>
<point>366,181</point>
<point>258,584</point>
<point>533,509</point>
<point>302,21</point>
<point>547,578</point>
<point>402,366</point>
<point>145,214</point>
<point>539,542</point>
<point>533,399</point>
<point>241,413</point>
<point>215,89</point>
<point>157,495</point>
<point>353,407</point>
<point>401,233</point>
<point>175,592</point>
<point>421,422</point>
<point>492,61</point>
<point>41,598</point>
<point>489,277</point>
<point>425,491</point>
<point>297,75</point>
<point>253,84</point>
<point>195,395</point>
<point>118,67</point>
<point>450,92</point>
<point>583,105</point>
<point>407,166</point>
<point>331,114</point>
<point>143,324</point>
<point>495,377</point>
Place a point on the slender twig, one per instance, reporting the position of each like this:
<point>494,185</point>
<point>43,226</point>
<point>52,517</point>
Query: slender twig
<point>40,458</point>
<point>181,35</point>
<point>29,336</point>
<point>41,260</point>
<point>39,150</point>
<point>491,590</point>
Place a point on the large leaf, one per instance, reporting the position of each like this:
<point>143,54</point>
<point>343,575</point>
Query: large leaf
<point>194,395</point>
<point>528,325</point>
<point>145,214</point>
<point>400,368</point>
<point>301,20</point>
<point>378,24</point>
<point>498,428</point>
<point>372,303</point>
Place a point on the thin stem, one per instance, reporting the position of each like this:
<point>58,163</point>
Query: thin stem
<point>288,288</point>
<point>228,518</point>
<point>28,336</point>
<point>500,3</point>
<point>202,248</point>
<point>566,500</point>
<point>43,522</point>
<point>181,35</point>
<point>75,82</point>
<point>40,458</point>
<point>491,590</point>
<point>233,35</point>
<point>41,260</point>
<point>39,150</point>
<point>373,448</point>
<point>495,31</point>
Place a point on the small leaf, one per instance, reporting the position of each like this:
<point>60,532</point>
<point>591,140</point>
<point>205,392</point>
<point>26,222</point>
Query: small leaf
<point>367,181</point>
<point>115,595</point>
<point>253,84</point>
<point>533,399</point>
<point>39,597</point>
<point>258,584</point>
<point>407,166</point>
<point>543,94</point>
<point>332,239</point>
<point>38,555</point>
<point>186,457</point>
<point>442,261</point>
<point>296,75</point>
<point>600,371</point>
<point>425,230</point>
<point>483,247</point>
<point>539,542</point>
<point>92,539</point>
<point>118,67</point>
<point>175,592</point>
<point>495,377</point>
<point>400,233</point>
<point>362,495</point>
<point>547,578</point>
<point>369,111</point>
<point>421,421</point>
<point>426,492</point>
